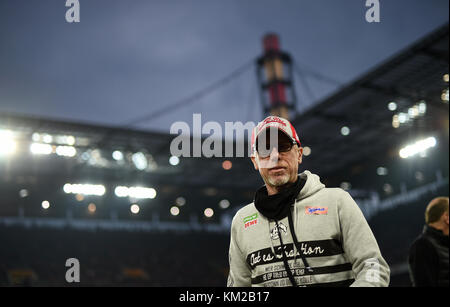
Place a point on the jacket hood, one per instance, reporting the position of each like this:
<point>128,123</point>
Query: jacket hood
<point>312,185</point>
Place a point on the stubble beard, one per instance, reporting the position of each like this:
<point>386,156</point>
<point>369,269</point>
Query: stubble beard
<point>278,181</point>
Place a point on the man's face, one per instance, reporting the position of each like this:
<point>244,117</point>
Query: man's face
<point>281,166</point>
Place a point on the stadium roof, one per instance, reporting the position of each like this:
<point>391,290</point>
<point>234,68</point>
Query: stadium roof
<point>414,75</point>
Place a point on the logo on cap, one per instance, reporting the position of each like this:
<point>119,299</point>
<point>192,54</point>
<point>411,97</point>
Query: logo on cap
<point>275,122</point>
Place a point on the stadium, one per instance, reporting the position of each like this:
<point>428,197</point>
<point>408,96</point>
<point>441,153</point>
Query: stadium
<point>114,197</point>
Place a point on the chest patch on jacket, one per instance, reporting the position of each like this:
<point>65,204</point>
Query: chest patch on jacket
<point>316,210</point>
<point>250,220</point>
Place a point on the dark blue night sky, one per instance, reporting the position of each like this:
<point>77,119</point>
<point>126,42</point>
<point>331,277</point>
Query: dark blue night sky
<point>126,59</point>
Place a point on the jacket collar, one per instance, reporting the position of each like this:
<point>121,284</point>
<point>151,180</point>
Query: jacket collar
<point>435,233</point>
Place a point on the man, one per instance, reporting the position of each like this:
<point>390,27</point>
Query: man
<point>297,232</point>
<point>428,255</point>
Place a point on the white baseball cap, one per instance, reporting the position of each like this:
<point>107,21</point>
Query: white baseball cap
<point>279,123</point>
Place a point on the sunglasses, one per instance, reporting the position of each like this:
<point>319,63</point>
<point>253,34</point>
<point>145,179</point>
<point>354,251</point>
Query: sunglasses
<point>281,146</point>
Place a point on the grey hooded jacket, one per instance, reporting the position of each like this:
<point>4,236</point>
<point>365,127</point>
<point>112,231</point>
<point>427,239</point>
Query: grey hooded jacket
<point>333,235</point>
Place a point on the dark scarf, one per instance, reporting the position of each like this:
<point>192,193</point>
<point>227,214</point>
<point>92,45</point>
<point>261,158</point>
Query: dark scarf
<point>276,207</point>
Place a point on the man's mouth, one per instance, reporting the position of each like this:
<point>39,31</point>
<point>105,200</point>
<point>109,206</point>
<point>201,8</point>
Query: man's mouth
<point>276,168</point>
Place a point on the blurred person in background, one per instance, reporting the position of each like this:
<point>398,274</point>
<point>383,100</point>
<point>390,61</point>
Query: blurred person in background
<point>297,232</point>
<point>428,255</point>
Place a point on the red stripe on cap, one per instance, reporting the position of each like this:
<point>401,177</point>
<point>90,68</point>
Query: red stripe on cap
<point>295,134</point>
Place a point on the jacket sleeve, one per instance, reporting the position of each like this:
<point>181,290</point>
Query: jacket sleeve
<point>240,273</point>
<point>423,262</point>
<point>360,246</point>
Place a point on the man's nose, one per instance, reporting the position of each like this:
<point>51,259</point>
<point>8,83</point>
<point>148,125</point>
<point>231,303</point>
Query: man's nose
<point>274,154</point>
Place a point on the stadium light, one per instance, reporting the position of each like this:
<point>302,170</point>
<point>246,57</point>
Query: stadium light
<point>65,139</point>
<point>224,203</point>
<point>45,204</point>
<point>417,148</point>
<point>135,192</point>
<point>139,160</point>
<point>47,138</point>
<point>94,158</point>
<point>23,193</point>
<point>392,106</point>
<point>227,165</point>
<point>382,171</point>
<point>395,121</point>
<point>117,155</point>
<point>345,131</point>
<point>417,110</point>
<point>180,201</point>
<point>445,95</point>
<point>134,209</point>
<point>422,106</point>
<point>403,117</point>
<point>41,149</point>
<point>84,189</point>
<point>7,143</point>
<point>121,191</point>
<point>413,111</point>
<point>85,156</point>
<point>66,151</point>
<point>92,208</point>
<point>36,137</point>
<point>306,151</point>
<point>174,211</point>
<point>70,140</point>
<point>208,212</point>
<point>174,160</point>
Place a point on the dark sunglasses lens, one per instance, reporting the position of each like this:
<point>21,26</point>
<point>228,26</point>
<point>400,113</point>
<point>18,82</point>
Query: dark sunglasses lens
<point>265,152</point>
<point>284,146</point>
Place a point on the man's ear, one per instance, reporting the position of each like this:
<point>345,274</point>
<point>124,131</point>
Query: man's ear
<point>255,163</point>
<point>300,155</point>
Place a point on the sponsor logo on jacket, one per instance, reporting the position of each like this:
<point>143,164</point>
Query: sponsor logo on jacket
<point>250,220</point>
<point>310,210</point>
